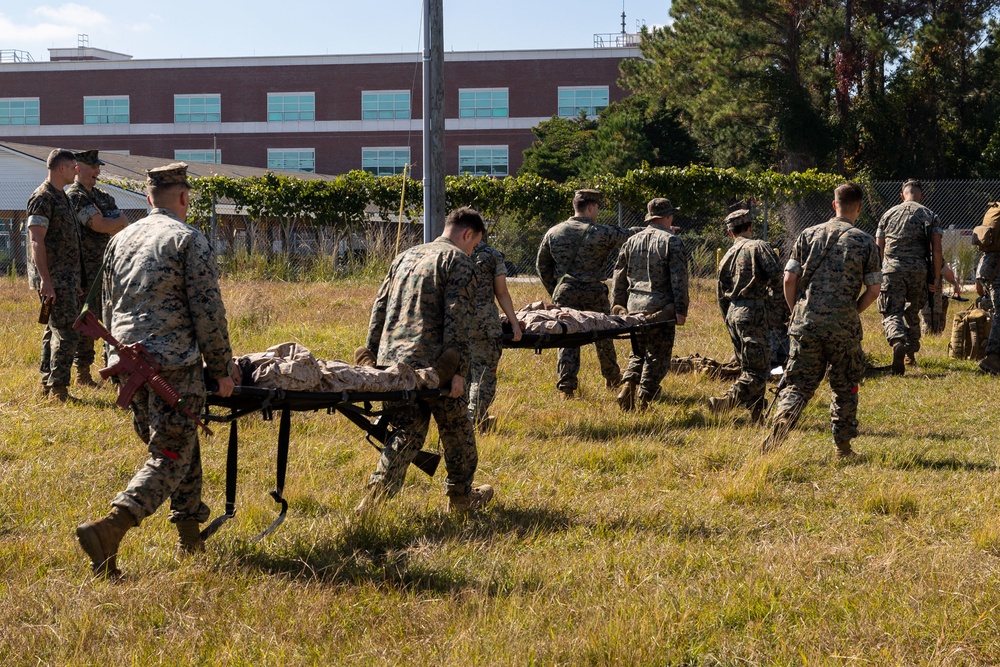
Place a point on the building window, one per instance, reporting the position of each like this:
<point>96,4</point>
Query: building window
<point>14,111</point>
<point>291,106</point>
<point>385,161</point>
<point>483,103</point>
<point>105,110</point>
<point>385,105</point>
<point>201,156</point>
<point>482,160</point>
<point>197,108</point>
<point>573,100</point>
<point>292,159</point>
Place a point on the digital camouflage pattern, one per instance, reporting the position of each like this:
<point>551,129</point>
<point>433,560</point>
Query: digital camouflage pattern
<point>651,274</point>
<point>749,278</point>
<point>173,469</point>
<point>906,229</point>
<point>485,332</point>
<point>572,263</point>
<point>87,204</point>
<point>988,274</point>
<point>161,289</point>
<point>425,305</point>
<point>49,207</point>
<point>825,330</point>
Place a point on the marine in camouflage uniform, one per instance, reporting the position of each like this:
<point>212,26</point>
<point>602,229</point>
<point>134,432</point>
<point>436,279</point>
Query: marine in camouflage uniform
<point>830,266</point>
<point>988,277</point>
<point>161,289</point>
<point>904,234</point>
<point>99,218</point>
<point>54,270</point>
<point>485,333</point>
<point>423,308</point>
<point>572,263</point>
<point>651,277</point>
<point>749,277</point>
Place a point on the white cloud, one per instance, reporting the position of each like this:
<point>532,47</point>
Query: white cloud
<point>72,15</point>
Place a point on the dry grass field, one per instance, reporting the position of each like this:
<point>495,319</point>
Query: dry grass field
<point>660,538</point>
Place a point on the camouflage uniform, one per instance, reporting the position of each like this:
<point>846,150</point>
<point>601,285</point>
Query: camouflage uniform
<point>161,289</point>
<point>423,307</point>
<point>825,328</point>
<point>87,204</point>
<point>49,207</point>
<point>907,229</point>
<point>650,275</point>
<point>572,260</point>
<point>988,274</point>
<point>485,332</point>
<point>749,277</point>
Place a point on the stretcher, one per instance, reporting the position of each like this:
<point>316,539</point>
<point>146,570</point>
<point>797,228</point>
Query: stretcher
<point>544,341</point>
<point>356,406</point>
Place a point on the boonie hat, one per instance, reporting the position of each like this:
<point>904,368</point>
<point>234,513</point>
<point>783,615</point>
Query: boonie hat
<point>659,208</point>
<point>172,174</point>
<point>89,157</point>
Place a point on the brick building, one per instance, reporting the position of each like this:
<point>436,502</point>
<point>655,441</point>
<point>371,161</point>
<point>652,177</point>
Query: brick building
<point>321,114</point>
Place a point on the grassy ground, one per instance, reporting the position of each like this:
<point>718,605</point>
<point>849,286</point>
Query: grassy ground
<point>660,538</point>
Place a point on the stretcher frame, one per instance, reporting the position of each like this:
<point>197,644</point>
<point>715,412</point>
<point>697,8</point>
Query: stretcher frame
<point>545,341</point>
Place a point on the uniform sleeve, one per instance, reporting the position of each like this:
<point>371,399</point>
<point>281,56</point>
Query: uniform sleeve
<point>459,291</point>
<point>935,225</point>
<point>679,275</point>
<point>770,268</point>
<point>208,314</point>
<point>501,268</point>
<point>84,209</point>
<point>794,264</point>
<point>376,322</point>
<point>39,211</point>
<point>872,265</point>
<point>619,281</point>
<point>546,266</point>
<point>880,230</point>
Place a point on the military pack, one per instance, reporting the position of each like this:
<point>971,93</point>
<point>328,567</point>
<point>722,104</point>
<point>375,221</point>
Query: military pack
<point>986,236</point>
<point>969,332</point>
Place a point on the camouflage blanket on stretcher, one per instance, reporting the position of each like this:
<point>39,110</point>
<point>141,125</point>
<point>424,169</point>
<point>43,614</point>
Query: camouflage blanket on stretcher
<point>292,367</point>
<point>700,365</point>
<point>541,317</point>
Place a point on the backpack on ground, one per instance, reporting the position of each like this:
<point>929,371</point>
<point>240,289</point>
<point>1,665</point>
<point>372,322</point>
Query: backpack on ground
<point>969,333</point>
<point>986,236</point>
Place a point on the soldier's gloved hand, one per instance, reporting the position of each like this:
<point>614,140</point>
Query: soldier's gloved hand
<point>619,310</point>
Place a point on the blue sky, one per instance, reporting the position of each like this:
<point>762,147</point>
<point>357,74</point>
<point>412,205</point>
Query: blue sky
<point>189,29</point>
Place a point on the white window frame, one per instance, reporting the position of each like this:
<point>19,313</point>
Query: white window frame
<point>577,108</point>
<point>107,98</point>
<point>386,149</point>
<point>476,108</point>
<point>491,148</point>
<point>192,96</point>
<point>23,117</point>
<point>378,111</point>
<point>283,112</point>
<point>292,150</point>
<point>207,151</point>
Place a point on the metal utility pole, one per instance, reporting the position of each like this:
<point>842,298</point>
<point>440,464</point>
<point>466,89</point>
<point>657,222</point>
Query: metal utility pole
<point>433,99</point>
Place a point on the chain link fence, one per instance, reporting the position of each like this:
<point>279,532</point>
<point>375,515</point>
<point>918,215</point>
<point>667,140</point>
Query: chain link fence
<point>282,250</point>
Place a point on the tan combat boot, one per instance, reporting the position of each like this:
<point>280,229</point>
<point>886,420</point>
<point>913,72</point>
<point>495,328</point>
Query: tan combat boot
<point>59,392</point>
<point>566,394</point>
<point>100,539</point>
<point>719,405</point>
<point>83,377</point>
<point>476,499</point>
<point>190,541</point>
<point>990,364</point>
<point>364,357</point>
<point>779,431</point>
<point>844,449</point>
<point>626,397</point>
<point>611,385</point>
<point>899,358</point>
<point>447,366</point>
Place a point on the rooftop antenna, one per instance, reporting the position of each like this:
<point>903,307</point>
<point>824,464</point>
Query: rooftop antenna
<point>623,18</point>
<point>82,41</point>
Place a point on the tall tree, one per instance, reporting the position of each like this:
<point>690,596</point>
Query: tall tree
<point>558,151</point>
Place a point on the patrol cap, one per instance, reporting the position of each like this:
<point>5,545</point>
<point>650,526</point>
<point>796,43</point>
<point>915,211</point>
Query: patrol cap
<point>89,157</point>
<point>581,197</point>
<point>659,208</point>
<point>58,155</point>
<point>171,174</point>
<point>737,218</point>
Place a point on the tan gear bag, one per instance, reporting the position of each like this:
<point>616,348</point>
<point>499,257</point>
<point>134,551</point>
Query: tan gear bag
<point>986,236</point>
<point>969,333</point>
